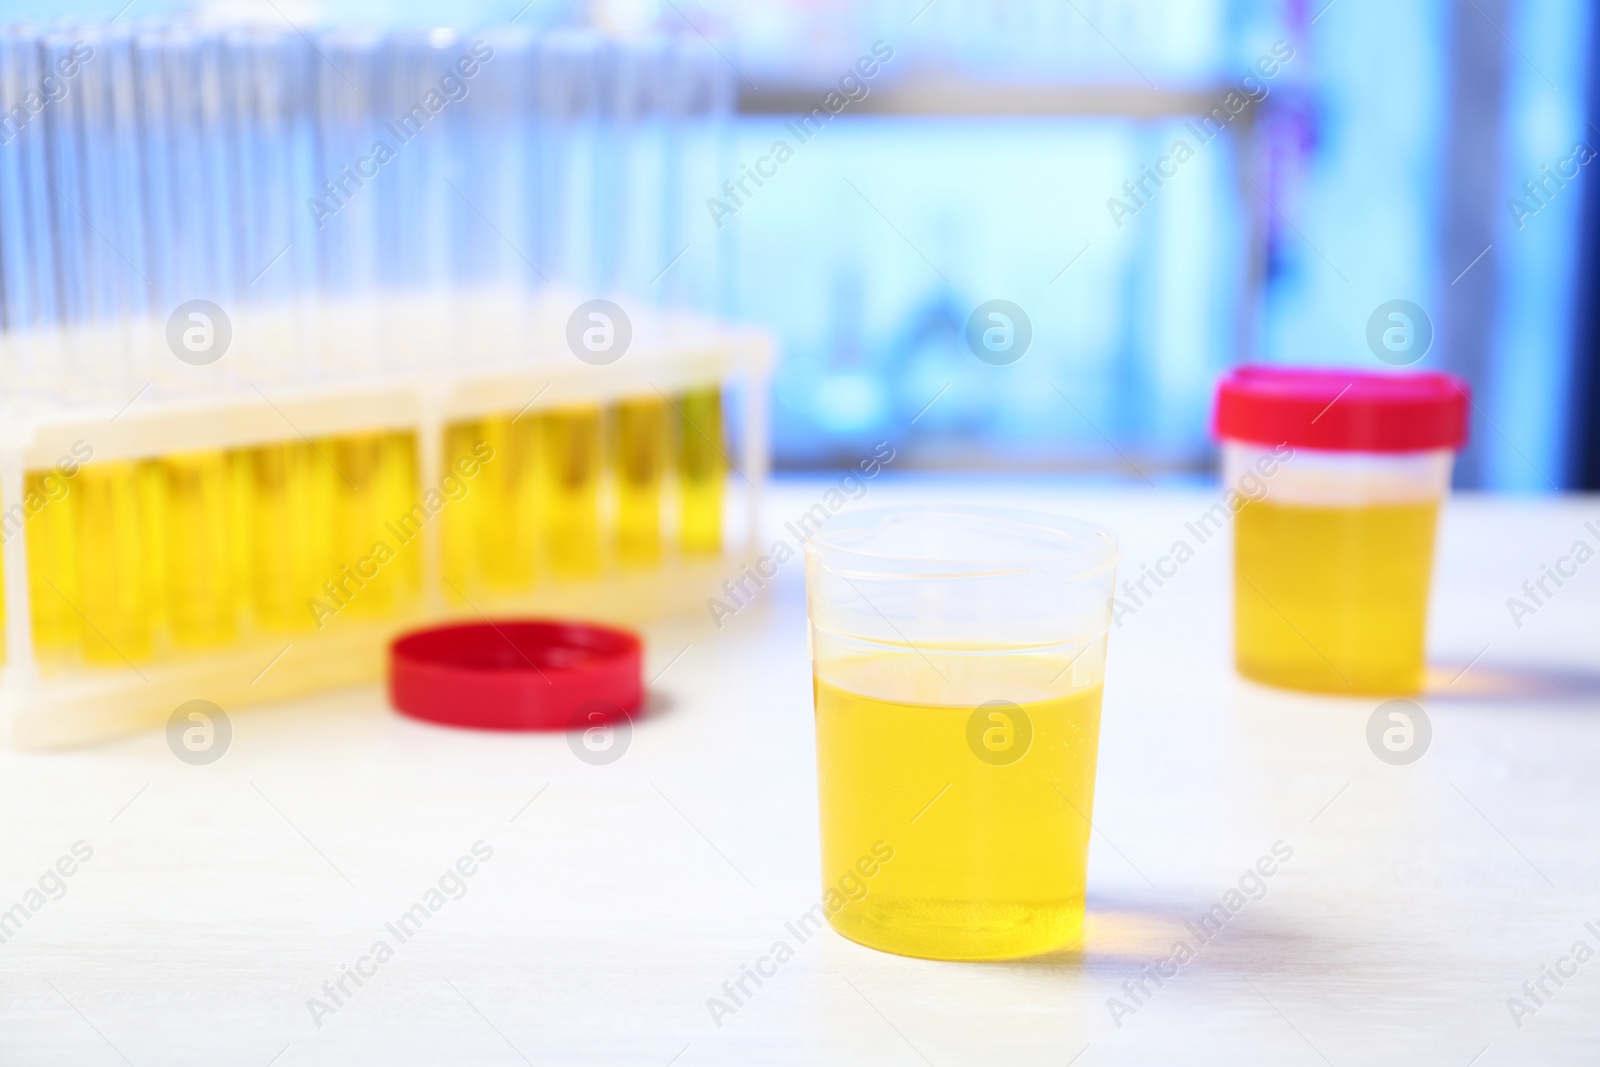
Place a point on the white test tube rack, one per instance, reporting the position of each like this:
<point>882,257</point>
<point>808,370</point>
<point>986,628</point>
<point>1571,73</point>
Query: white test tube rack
<point>66,706</point>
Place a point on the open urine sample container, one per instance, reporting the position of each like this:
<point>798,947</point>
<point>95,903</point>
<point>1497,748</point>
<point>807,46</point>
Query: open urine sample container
<point>958,657</point>
<point>1332,561</point>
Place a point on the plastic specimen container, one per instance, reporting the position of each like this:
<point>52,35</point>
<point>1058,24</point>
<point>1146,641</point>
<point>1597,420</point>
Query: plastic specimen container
<point>958,657</point>
<point>1333,557</point>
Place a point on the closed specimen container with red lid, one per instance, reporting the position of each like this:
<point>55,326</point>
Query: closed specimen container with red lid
<point>1335,478</point>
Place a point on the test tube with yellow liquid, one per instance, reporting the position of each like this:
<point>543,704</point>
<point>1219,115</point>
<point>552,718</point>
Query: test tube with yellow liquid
<point>640,457</point>
<point>241,513</point>
<point>701,471</point>
<point>50,502</point>
<point>958,659</point>
<point>199,544</point>
<point>464,519</point>
<point>491,480</point>
<point>287,553</point>
<point>507,470</point>
<point>120,532</point>
<point>372,571</point>
<point>397,496</point>
<point>1334,480</point>
<point>570,465</point>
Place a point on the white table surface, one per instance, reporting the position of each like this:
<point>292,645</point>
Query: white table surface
<point>1418,899</point>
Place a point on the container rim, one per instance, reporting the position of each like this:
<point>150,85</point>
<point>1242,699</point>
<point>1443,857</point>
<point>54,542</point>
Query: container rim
<point>864,543</point>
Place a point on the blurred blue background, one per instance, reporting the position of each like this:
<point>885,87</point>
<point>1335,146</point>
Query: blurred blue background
<point>1386,160</point>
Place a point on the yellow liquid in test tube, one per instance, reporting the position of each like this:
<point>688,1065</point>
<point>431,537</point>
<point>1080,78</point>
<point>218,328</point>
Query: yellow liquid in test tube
<point>52,563</point>
<point>287,546</point>
<point>397,496</point>
<point>570,480</point>
<point>372,572</point>
<point>463,521</point>
<point>641,445</point>
<point>701,470</point>
<point>989,857</point>
<point>491,478</point>
<point>509,468</point>
<point>120,535</point>
<point>1333,599</point>
<point>202,603</point>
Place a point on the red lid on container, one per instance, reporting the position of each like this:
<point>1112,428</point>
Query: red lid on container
<point>1342,410</point>
<point>514,674</point>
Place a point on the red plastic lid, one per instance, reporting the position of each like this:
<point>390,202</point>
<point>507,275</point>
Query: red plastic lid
<point>1342,410</point>
<point>515,674</point>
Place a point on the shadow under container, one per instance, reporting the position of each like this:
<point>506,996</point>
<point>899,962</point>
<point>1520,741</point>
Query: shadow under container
<point>958,658</point>
<point>1339,477</point>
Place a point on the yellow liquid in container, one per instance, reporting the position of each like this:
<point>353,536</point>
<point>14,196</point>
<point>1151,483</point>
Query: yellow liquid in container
<point>397,496</point>
<point>701,471</point>
<point>640,454</point>
<point>570,483</point>
<point>241,513</point>
<point>373,571</point>
<point>463,521</point>
<point>490,477</point>
<point>286,547</point>
<point>364,591</point>
<point>202,604</point>
<point>52,563</point>
<point>119,536</point>
<point>506,485</point>
<point>1333,599</point>
<point>990,858</point>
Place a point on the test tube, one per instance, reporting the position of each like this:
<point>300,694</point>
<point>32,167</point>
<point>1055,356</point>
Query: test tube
<point>494,203</point>
<point>346,236</point>
<point>508,480</point>
<point>491,539</point>
<point>297,138</point>
<point>640,456</point>
<point>569,455</point>
<point>325,487</point>
<point>119,540</point>
<point>282,548</point>
<point>211,185</point>
<point>419,93</point>
<point>52,563</point>
<point>70,154</point>
<point>201,567</point>
<point>464,519</point>
<point>701,470</point>
<point>397,496</point>
<point>112,75</point>
<point>375,472</point>
<point>199,541</point>
<point>356,460</point>
<point>568,102</point>
<point>78,304</point>
<point>373,572</point>
<point>285,560</point>
<point>26,237</point>
<point>700,99</point>
<point>157,200</point>
<point>631,173</point>
<point>264,88</point>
